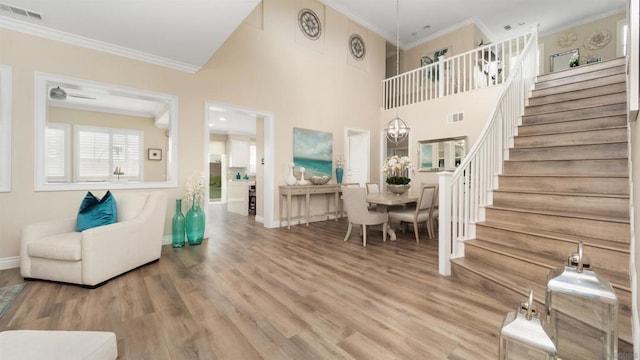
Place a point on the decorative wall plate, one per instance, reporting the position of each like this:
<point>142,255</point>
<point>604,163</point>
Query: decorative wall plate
<point>566,39</point>
<point>309,24</point>
<point>597,40</point>
<point>357,47</point>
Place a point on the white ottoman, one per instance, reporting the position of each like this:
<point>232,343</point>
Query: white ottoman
<point>54,345</point>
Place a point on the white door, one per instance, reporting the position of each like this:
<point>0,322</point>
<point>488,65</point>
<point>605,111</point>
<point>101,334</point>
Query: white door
<point>357,159</point>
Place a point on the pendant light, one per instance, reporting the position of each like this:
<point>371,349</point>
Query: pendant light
<point>397,130</point>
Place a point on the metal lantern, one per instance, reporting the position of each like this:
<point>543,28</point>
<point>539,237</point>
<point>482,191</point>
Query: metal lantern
<point>522,335</point>
<point>582,311</point>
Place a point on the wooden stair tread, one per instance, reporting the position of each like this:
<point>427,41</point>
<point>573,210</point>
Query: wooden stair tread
<point>552,111</point>
<point>613,158</point>
<point>586,85</point>
<point>535,192</point>
<point>520,147</point>
<point>592,242</point>
<point>564,214</point>
<point>618,280</point>
<point>575,132</point>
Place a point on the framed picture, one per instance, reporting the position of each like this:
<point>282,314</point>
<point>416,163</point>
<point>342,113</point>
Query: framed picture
<point>154,154</point>
<point>441,154</point>
<point>313,150</point>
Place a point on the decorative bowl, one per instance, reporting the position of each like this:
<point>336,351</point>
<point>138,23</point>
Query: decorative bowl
<point>319,180</point>
<point>398,189</point>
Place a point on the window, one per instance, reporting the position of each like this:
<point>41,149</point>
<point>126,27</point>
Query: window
<point>5,128</point>
<point>58,152</point>
<point>107,154</point>
<point>252,158</point>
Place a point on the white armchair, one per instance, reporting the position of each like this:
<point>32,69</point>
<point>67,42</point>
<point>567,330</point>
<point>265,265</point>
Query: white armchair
<point>55,251</point>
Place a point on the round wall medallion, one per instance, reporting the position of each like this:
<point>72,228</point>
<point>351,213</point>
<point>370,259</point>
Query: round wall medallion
<point>309,24</point>
<point>356,44</point>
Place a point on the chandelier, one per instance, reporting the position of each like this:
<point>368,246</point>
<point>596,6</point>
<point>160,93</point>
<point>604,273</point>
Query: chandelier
<point>397,130</point>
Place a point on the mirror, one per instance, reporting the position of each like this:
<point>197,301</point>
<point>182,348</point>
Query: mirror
<point>400,149</point>
<point>441,154</point>
<point>93,135</point>
<point>564,60</point>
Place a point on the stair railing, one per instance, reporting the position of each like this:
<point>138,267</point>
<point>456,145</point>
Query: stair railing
<point>464,193</point>
<point>483,67</point>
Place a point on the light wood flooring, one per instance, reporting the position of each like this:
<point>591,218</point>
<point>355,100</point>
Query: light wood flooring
<point>255,293</point>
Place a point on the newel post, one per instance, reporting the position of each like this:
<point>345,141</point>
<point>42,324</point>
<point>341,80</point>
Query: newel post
<point>444,219</point>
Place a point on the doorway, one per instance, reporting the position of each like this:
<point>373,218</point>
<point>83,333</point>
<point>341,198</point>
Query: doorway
<point>259,170</point>
<point>357,156</point>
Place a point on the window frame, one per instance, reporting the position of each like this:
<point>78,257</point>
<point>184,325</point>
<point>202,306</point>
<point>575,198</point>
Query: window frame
<point>66,129</point>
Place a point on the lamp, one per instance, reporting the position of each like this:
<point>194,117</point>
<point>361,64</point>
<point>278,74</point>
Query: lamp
<point>522,335</point>
<point>582,309</point>
<point>397,130</point>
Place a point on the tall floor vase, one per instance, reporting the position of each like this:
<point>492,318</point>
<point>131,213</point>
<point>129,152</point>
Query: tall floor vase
<point>178,226</point>
<point>195,223</point>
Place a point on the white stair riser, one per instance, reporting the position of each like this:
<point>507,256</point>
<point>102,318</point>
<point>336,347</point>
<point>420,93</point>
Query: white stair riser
<point>599,229</point>
<point>589,205</point>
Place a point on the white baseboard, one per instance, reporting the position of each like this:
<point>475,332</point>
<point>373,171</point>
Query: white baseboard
<point>167,239</point>
<point>10,263</point>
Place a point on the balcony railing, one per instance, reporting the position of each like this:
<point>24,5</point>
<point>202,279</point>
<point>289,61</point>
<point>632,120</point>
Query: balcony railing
<point>465,193</point>
<point>483,67</point>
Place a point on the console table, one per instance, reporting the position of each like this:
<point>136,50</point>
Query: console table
<point>286,192</point>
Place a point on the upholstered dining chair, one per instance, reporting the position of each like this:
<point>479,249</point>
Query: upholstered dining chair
<point>355,203</point>
<point>422,213</point>
<point>372,188</point>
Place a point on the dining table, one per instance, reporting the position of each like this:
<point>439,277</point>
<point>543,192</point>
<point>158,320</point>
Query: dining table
<point>386,200</point>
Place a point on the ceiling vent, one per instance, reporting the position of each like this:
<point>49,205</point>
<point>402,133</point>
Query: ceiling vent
<point>454,118</point>
<point>19,11</point>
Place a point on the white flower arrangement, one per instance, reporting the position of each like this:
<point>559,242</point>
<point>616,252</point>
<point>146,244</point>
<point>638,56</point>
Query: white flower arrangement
<point>194,190</point>
<point>397,169</point>
<point>339,160</point>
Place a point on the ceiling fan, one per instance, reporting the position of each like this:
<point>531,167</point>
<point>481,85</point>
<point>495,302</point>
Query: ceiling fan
<point>58,93</point>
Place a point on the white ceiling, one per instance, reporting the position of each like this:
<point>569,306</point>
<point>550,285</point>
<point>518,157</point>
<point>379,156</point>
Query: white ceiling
<point>184,34</point>
<point>223,120</point>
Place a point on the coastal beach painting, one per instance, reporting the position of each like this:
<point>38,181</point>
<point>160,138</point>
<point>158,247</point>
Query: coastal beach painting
<point>313,150</point>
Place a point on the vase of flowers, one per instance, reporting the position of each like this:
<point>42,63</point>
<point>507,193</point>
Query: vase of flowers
<point>397,170</point>
<point>195,218</point>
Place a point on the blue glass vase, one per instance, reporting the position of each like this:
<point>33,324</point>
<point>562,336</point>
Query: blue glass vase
<point>195,223</point>
<point>178,226</point>
<point>339,173</point>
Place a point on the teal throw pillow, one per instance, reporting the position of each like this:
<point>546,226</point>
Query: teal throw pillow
<point>96,212</point>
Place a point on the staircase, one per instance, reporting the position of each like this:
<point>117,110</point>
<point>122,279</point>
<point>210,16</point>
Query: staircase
<point>566,181</point>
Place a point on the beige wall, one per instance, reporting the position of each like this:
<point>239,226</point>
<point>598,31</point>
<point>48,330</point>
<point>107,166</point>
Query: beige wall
<point>154,137</point>
<point>268,69</point>
<point>429,121</point>
<point>551,45</point>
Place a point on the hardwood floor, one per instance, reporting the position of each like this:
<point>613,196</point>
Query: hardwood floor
<point>255,293</point>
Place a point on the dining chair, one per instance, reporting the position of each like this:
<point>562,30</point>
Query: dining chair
<point>422,213</point>
<point>372,188</point>
<point>355,203</point>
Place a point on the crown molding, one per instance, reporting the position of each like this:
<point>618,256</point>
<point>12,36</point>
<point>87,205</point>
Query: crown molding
<point>56,35</point>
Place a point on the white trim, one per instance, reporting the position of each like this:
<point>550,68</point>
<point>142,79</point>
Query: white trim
<point>167,239</point>
<point>9,262</point>
<point>5,126</point>
<point>56,35</point>
<point>268,181</point>
<point>42,81</point>
<point>620,36</point>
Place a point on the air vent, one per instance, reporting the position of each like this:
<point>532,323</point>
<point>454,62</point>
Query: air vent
<point>454,118</point>
<point>20,11</point>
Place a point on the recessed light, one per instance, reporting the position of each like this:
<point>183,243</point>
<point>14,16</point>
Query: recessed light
<point>507,27</point>
<point>223,119</point>
<point>210,125</point>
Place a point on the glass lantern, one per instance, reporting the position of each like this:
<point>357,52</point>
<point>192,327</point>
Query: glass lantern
<point>582,311</point>
<point>522,336</point>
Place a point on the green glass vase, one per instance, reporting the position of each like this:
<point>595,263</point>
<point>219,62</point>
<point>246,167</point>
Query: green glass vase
<point>195,223</point>
<point>178,226</point>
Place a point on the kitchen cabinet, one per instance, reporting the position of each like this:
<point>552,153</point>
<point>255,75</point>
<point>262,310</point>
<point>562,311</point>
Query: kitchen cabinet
<point>239,151</point>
